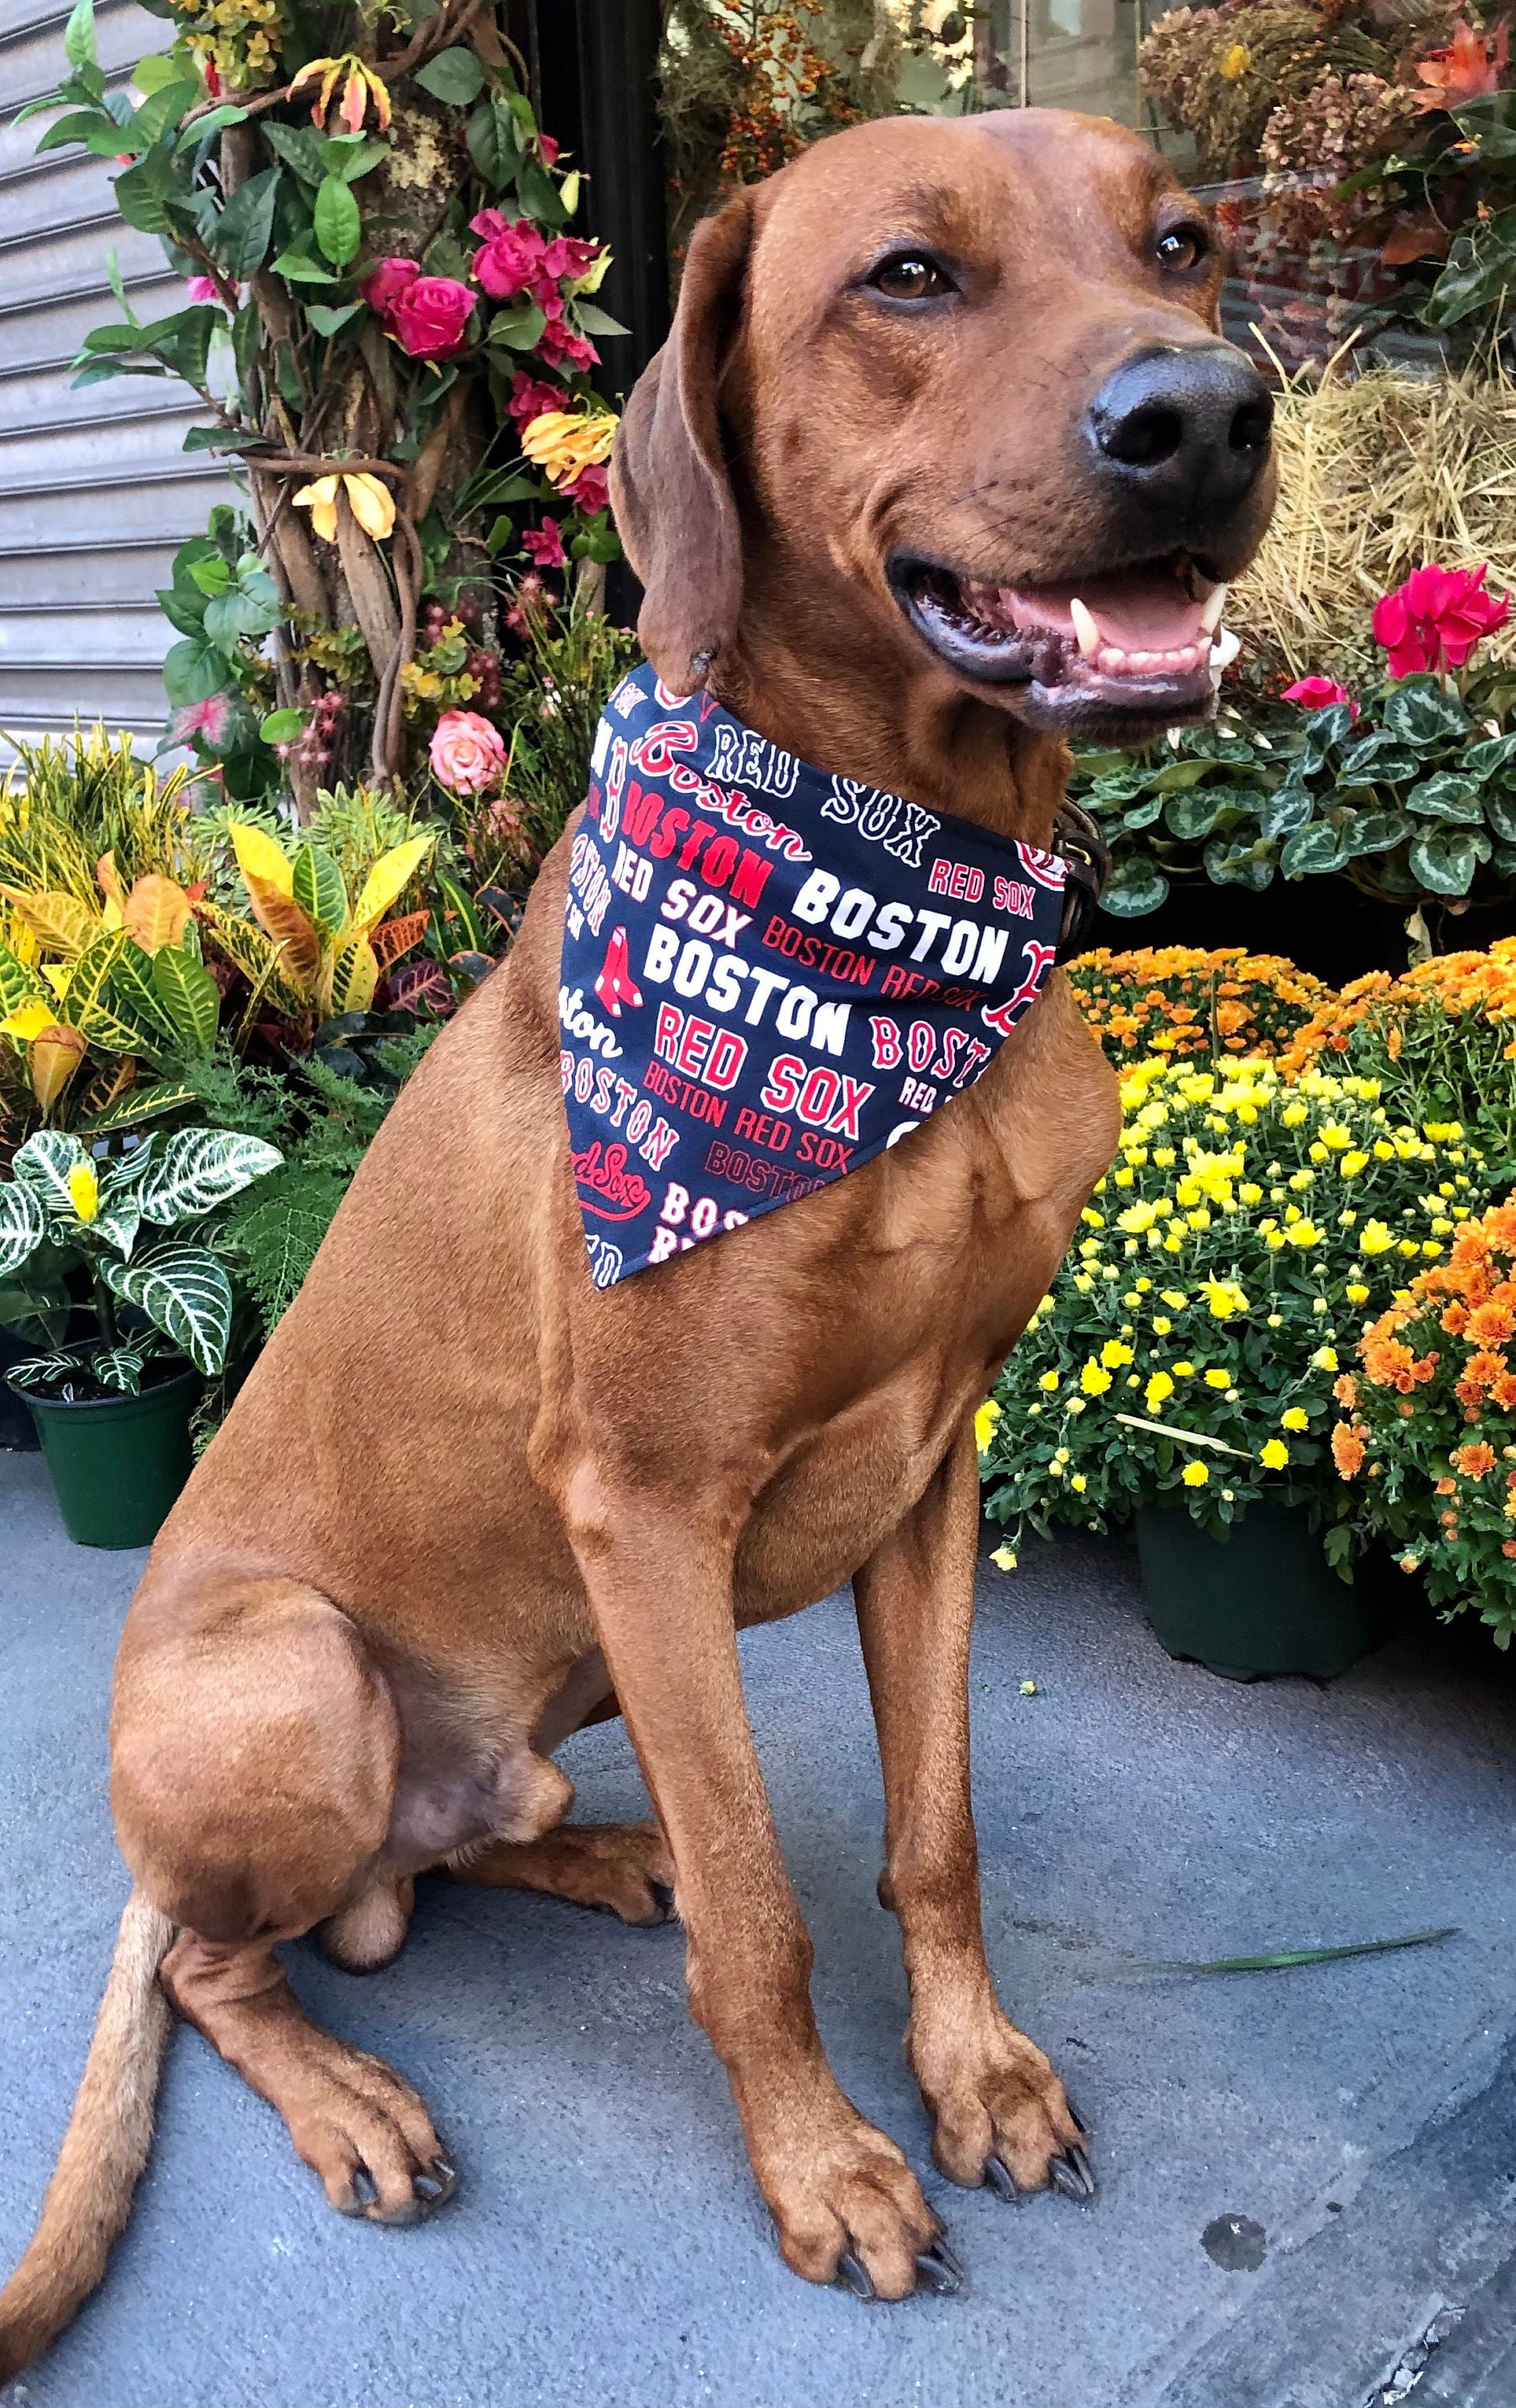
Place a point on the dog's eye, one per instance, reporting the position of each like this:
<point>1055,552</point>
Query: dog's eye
<point>910,276</point>
<point>1180,247</point>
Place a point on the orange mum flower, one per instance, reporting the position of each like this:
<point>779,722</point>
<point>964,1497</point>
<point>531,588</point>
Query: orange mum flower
<point>1347,1450</point>
<point>1346,1390</point>
<point>1476,1459</point>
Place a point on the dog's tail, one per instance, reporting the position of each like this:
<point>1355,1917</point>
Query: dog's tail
<point>105,2147</point>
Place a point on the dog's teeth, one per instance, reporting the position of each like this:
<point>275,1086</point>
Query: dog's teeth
<point>1086,629</point>
<point>1225,649</point>
<point>1210,617</point>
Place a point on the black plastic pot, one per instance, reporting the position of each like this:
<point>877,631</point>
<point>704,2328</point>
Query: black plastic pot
<point>118,1463</point>
<point>1262,1603</point>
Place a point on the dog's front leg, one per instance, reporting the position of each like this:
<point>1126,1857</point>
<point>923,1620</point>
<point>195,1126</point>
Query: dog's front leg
<point>841,2195</point>
<point>1000,2110</point>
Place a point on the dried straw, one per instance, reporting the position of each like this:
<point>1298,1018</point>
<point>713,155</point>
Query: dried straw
<point>1379,472</point>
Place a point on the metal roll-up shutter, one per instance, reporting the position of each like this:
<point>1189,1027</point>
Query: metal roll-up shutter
<point>96,490</point>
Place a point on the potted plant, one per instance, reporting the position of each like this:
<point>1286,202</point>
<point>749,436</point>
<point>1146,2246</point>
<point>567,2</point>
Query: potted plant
<point>113,1414</point>
<point>1427,1437</point>
<point>1183,1368</point>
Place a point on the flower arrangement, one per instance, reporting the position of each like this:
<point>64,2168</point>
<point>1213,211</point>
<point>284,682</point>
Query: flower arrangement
<point>1189,1350</point>
<point>1186,1003</point>
<point>1408,789</point>
<point>1427,1437</point>
<point>385,301</point>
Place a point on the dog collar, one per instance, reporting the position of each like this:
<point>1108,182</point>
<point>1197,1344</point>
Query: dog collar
<point>770,974</point>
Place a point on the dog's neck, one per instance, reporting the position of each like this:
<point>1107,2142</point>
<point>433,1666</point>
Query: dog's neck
<point>859,709</point>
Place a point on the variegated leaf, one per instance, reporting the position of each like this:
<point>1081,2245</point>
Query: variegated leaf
<point>199,1169</point>
<point>185,1292</point>
<point>388,880</point>
<point>133,989</point>
<point>41,1371</point>
<point>60,921</point>
<point>319,889</point>
<point>189,995</point>
<point>155,912</point>
<point>18,985</point>
<point>121,1367</point>
<point>43,1162</point>
<point>23,1225</point>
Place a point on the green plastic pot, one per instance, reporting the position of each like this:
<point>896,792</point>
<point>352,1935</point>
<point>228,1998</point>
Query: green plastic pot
<point>118,1463</point>
<point>1261,1603</point>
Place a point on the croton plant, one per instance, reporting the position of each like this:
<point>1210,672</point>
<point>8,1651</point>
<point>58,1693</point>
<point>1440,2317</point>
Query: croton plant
<point>391,328</point>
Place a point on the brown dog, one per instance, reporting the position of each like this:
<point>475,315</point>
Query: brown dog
<point>943,457</point>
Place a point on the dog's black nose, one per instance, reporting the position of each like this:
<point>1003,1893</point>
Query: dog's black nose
<point>1185,427</point>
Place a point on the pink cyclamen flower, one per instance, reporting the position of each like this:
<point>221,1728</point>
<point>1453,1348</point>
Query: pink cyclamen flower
<point>546,545</point>
<point>206,722</point>
<point>467,752</point>
<point>1435,620</point>
<point>429,318</point>
<point>509,255</point>
<point>1318,693</point>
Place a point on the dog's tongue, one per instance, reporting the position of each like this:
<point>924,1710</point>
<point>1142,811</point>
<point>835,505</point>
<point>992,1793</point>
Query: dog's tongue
<point>1139,611</point>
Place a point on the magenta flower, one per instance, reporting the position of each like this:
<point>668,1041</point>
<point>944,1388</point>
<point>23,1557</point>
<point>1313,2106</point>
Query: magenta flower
<point>429,318</point>
<point>1435,620</point>
<point>202,288</point>
<point>385,282</point>
<point>566,255</point>
<point>509,256</point>
<point>546,545</point>
<point>590,491</point>
<point>467,753</point>
<point>558,344</point>
<point>530,398</point>
<point>1318,693</point>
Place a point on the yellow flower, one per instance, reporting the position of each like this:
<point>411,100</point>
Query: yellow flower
<point>563,443</point>
<point>1274,1455</point>
<point>1175,1299</point>
<point>1162,1324</point>
<point>1160,1387</point>
<point>1093,1381</point>
<point>1234,64</point>
<point>369,499</point>
<point>1251,1191</point>
<point>1049,1380</point>
<point>1078,1481</point>
<point>1336,1135</point>
<point>1136,1218</point>
<point>1374,1239</point>
<point>1113,1354</point>
<point>1294,1114</point>
<point>1304,1233</point>
<point>84,1190</point>
<point>360,85</point>
<point>985,1422</point>
<point>1225,1298</point>
<point>1294,1418</point>
<point>1184,1370</point>
<point>1004,1557</point>
<point>1356,1292</point>
<point>1218,1379</point>
<point>1195,1475</point>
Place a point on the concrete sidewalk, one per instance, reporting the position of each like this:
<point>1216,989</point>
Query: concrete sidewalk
<point>608,2247</point>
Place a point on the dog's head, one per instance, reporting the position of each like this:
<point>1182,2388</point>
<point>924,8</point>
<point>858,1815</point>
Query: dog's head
<point>960,382</point>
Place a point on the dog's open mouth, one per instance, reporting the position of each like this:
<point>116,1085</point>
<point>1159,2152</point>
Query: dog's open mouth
<point>1134,643</point>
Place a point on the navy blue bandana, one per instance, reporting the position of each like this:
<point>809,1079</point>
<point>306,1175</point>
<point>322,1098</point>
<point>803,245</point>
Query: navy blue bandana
<point>769,974</point>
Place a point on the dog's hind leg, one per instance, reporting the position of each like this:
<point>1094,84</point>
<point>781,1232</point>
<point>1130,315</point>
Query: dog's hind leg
<point>1001,2112</point>
<point>255,1748</point>
<point>623,1868</point>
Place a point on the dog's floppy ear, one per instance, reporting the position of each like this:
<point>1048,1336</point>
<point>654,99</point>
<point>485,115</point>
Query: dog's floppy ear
<point>669,488</point>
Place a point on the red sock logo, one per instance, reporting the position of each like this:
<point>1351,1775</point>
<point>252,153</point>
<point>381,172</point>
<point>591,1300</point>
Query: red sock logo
<point>615,984</point>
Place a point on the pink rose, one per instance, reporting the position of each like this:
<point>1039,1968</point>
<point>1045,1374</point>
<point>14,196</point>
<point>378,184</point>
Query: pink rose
<point>559,345</point>
<point>509,256</point>
<point>529,398</point>
<point>1318,693</point>
<point>1435,620</point>
<point>385,282</point>
<point>548,145</point>
<point>566,255</point>
<point>429,319</point>
<point>467,752</point>
<point>546,545</point>
<point>590,491</point>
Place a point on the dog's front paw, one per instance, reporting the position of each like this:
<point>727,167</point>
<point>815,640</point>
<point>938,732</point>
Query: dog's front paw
<point>848,2209</point>
<point>1003,2116</point>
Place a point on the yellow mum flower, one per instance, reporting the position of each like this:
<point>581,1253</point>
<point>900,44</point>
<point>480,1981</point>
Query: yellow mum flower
<point>1175,1299</point>
<point>1162,1324</point>
<point>1294,1114</point>
<point>1159,1389</point>
<point>1274,1455</point>
<point>1218,1379</point>
<point>1294,1418</point>
<point>1352,1163</point>
<point>1049,1380</point>
<point>1356,1292</point>
<point>1136,1218</point>
<point>1113,1354</point>
<point>1233,63</point>
<point>1093,1381</point>
<point>1225,1298</point>
<point>1195,1475</point>
<point>1184,1370</point>
<point>1304,1233</point>
<point>1004,1557</point>
<point>985,1422</point>
<point>1376,1238</point>
<point>1251,1191</point>
<point>1078,1481</point>
<point>84,1190</point>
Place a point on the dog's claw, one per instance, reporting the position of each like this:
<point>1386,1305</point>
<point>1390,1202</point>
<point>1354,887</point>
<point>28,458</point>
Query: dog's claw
<point>1001,2180</point>
<point>937,2269</point>
<point>854,2276</point>
<point>1073,2175</point>
<point>362,2193</point>
<point>1077,2116</point>
<point>664,1896</point>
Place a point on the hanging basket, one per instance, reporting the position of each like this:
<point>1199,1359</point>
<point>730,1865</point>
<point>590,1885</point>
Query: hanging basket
<point>1261,1603</point>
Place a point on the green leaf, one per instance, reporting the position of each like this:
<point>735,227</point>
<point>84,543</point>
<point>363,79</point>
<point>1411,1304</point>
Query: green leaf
<point>1180,776</point>
<point>297,267</point>
<point>1447,796</point>
<point>18,985</point>
<point>281,726</point>
<point>1500,811</point>
<point>185,1292</point>
<point>1142,814</point>
<point>1482,760</point>
<point>43,1163</point>
<point>23,1225</point>
<point>352,155</point>
<point>492,142</point>
<point>1313,850</point>
<point>160,110</point>
<point>133,991</point>
<point>78,126</point>
<point>156,71</point>
<point>1445,864</point>
<point>1418,713</point>
<point>139,1104</point>
<point>539,195</point>
<point>299,147</point>
<point>519,329</point>
<point>188,996</point>
<point>79,35</point>
<point>141,193</point>
<point>1288,808</point>
<point>193,671</point>
<point>1284,1958</point>
<point>1480,270</point>
<point>1135,887</point>
<point>338,226</point>
<point>1376,832</point>
<point>242,233</point>
<point>199,1169</point>
<point>1229,864</point>
<point>331,322</point>
<point>499,535</point>
<point>453,76</point>
<point>1192,816</point>
<point>594,321</point>
<point>318,888</point>
<point>214,122</point>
